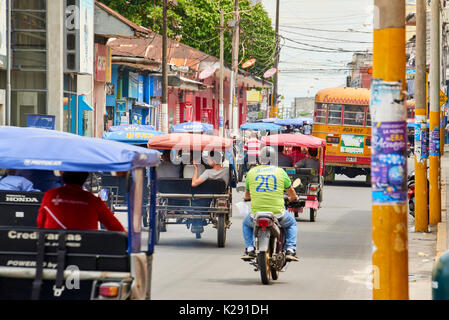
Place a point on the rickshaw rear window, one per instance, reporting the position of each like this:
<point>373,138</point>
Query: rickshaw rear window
<point>333,140</point>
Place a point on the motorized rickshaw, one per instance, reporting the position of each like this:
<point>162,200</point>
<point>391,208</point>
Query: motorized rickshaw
<point>180,203</point>
<point>63,264</point>
<point>262,128</point>
<point>310,190</point>
<point>113,187</point>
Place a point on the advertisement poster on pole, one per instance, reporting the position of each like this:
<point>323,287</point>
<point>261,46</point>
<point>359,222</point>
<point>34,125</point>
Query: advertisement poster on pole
<point>389,144</point>
<point>86,36</point>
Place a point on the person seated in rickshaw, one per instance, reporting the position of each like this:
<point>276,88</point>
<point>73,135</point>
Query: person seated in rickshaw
<point>189,169</point>
<point>252,148</point>
<point>10,181</point>
<point>167,169</point>
<point>217,171</point>
<point>311,162</point>
<point>282,159</point>
<point>72,208</point>
<point>297,153</point>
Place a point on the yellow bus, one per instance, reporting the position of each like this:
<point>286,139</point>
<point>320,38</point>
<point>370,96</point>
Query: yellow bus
<point>342,118</point>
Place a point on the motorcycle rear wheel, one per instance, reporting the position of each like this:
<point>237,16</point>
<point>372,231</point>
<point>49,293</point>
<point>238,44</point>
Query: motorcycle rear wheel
<point>263,260</point>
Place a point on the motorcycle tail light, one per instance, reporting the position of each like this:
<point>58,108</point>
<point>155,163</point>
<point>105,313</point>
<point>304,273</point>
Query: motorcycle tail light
<point>264,222</point>
<point>411,191</point>
<point>109,290</point>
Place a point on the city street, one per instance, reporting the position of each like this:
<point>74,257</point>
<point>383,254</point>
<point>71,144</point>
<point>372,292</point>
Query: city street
<point>334,251</point>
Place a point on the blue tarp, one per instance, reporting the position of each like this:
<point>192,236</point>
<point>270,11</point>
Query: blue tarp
<point>131,127</point>
<point>132,137</point>
<point>290,122</point>
<point>197,127</point>
<point>39,149</point>
<point>261,126</point>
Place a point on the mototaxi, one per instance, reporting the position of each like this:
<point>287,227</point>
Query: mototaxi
<point>311,181</point>
<point>45,264</point>
<point>113,187</point>
<point>209,203</point>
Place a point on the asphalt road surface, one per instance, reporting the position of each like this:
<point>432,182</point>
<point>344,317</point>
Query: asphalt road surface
<point>334,251</point>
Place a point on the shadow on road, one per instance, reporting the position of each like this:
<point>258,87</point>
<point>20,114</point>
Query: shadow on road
<point>347,183</point>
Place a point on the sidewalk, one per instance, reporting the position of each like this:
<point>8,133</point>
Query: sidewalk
<point>425,248</point>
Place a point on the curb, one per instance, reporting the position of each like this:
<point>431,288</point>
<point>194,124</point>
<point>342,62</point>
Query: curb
<point>441,242</point>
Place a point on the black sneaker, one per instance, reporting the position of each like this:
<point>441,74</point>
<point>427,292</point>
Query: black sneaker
<point>290,255</point>
<point>249,255</point>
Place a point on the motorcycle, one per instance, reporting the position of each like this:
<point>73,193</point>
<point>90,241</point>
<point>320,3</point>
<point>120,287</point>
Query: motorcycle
<point>269,238</point>
<point>411,192</point>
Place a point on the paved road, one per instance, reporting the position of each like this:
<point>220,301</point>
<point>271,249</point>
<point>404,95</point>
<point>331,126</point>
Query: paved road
<point>335,254</point>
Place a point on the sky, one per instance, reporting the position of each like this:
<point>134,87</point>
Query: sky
<point>309,27</point>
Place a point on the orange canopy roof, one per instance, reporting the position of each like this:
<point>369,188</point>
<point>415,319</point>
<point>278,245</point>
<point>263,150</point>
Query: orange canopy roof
<point>189,141</point>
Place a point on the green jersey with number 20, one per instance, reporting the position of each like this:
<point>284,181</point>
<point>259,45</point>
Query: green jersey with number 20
<point>267,185</point>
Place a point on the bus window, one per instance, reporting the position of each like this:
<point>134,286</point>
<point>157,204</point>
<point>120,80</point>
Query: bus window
<point>354,116</point>
<point>335,113</point>
<point>368,118</point>
<point>320,113</point>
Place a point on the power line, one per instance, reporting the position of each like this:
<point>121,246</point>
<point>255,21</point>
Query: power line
<point>319,47</point>
<point>325,38</point>
<point>325,30</point>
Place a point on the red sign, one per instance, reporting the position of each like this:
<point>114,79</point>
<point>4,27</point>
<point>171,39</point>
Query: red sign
<point>102,63</point>
<point>270,73</point>
<point>248,63</point>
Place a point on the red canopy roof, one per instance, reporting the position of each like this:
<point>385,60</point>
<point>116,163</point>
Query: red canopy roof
<point>294,140</point>
<point>189,141</point>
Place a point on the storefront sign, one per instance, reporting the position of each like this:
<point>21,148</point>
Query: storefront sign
<point>86,36</point>
<point>121,106</point>
<point>3,36</point>
<point>41,121</point>
<point>155,86</point>
<point>103,63</point>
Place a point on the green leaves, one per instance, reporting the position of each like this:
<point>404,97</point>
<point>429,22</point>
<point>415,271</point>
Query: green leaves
<point>196,23</point>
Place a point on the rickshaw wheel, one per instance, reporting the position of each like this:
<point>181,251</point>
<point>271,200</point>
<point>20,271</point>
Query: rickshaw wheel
<point>221,231</point>
<point>313,213</point>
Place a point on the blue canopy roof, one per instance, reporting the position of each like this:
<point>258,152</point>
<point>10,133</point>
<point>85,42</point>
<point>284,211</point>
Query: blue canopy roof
<point>131,127</point>
<point>261,126</point>
<point>132,137</point>
<point>268,120</point>
<point>290,122</point>
<point>38,149</point>
<point>187,127</point>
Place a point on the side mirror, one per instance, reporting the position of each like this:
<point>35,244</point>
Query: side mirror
<point>297,183</point>
<point>241,189</point>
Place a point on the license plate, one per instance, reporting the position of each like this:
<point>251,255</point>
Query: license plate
<point>351,159</point>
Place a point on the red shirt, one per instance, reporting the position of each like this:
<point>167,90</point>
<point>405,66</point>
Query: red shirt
<point>70,207</point>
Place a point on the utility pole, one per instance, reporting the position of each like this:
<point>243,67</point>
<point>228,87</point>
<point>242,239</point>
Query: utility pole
<point>9,63</point>
<point>421,196</point>
<point>274,112</point>
<point>235,69</point>
<point>388,153</point>
<point>221,102</point>
<point>164,98</point>
<point>434,128</point>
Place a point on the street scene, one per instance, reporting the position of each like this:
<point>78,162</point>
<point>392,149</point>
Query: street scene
<point>224,150</point>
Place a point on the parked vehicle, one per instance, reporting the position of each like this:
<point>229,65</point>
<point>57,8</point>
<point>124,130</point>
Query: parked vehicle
<point>38,263</point>
<point>311,181</point>
<point>196,207</point>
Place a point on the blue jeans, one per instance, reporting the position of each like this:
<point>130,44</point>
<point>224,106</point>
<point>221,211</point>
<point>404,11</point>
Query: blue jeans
<point>287,222</point>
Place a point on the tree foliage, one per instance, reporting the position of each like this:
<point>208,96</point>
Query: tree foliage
<point>196,23</point>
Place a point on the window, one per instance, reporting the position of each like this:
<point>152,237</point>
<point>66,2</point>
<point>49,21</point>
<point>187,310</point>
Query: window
<point>335,113</point>
<point>333,140</point>
<point>354,116</point>
<point>320,113</point>
<point>368,118</point>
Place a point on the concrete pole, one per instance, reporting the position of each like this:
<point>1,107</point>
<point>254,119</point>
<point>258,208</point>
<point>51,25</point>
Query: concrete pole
<point>235,69</point>
<point>388,156</point>
<point>164,98</point>
<point>421,201</point>
<point>434,128</point>
<point>276,62</point>
<point>221,102</point>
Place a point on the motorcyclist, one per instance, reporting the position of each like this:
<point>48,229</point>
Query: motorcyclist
<point>265,186</point>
